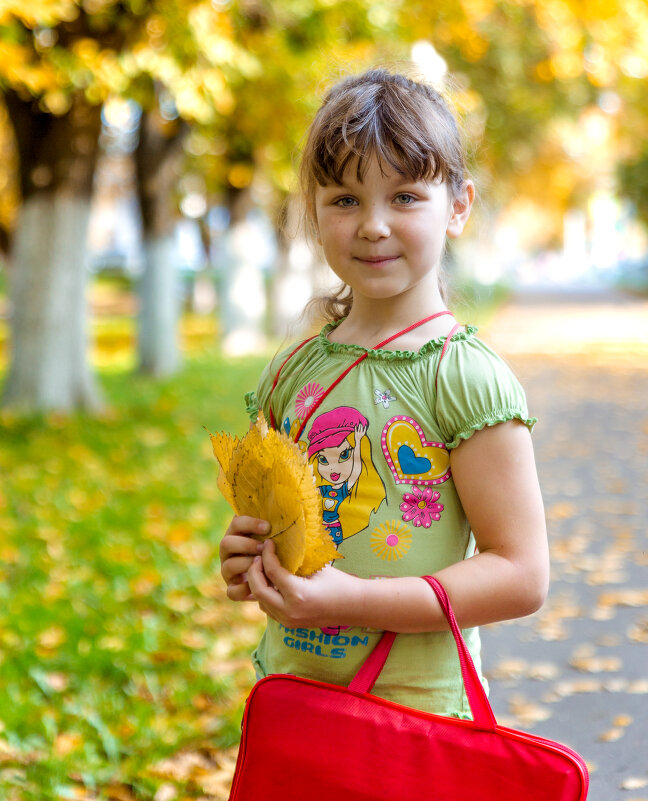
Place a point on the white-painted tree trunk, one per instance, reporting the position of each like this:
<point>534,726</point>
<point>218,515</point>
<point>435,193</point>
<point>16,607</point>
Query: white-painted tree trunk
<point>243,295</point>
<point>49,367</point>
<point>292,288</point>
<point>159,297</point>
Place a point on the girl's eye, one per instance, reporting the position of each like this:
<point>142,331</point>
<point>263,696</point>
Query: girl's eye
<point>404,199</point>
<point>345,202</point>
<point>322,459</point>
<point>346,453</point>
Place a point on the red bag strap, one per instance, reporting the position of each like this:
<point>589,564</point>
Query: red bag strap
<point>276,378</point>
<point>479,704</point>
<point>344,373</point>
<point>366,677</point>
<point>480,707</point>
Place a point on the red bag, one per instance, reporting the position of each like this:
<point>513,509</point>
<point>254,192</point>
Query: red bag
<point>305,739</point>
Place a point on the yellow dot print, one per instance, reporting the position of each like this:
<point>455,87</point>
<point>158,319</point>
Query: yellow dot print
<point>391,540</point>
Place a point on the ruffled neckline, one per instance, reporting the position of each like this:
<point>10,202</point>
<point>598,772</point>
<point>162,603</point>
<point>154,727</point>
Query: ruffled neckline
<point>388,355</point>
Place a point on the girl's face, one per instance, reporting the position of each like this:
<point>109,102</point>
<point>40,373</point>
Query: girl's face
<point>335,464</point>
<point>384,236</point>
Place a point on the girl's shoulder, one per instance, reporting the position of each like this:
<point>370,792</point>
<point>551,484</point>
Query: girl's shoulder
<point>475,387</point>
<point>473,362</point>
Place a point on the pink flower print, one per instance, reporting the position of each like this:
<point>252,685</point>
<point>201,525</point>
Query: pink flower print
<point>421,507</point>
<point>306,397</point>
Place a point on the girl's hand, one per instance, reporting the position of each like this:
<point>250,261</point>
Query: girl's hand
<point>296,602</point>
<point>237,552</point>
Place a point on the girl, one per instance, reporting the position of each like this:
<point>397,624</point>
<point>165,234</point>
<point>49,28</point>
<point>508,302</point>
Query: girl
<point>385,184</point>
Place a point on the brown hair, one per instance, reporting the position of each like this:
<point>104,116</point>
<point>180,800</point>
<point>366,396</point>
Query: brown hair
<point>404,123</point>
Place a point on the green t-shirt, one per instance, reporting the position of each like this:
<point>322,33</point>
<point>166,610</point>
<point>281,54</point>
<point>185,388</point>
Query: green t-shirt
<point>379,444</point>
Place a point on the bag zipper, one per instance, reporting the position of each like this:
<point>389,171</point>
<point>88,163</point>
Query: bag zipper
<point>551,745</point>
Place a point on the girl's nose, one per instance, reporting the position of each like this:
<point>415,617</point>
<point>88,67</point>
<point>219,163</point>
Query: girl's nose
<point>374,225</point>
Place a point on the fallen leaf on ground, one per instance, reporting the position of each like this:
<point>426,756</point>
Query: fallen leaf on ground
<point>634,783</point>
<point>612,735</point>
<point>596,664</point>
<point>528,712</point>
<point>629,597</point>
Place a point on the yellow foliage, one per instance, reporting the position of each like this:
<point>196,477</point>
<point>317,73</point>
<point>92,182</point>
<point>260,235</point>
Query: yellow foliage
<point>266,475</point>
<point>38,12</point>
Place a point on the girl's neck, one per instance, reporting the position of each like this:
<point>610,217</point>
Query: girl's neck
<point>371,321</point>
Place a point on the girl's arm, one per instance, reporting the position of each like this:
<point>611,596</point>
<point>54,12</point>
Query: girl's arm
<point>495,475</point>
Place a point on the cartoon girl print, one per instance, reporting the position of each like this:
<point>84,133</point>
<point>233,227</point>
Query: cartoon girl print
<point>348,482</point>
<point>340,465</point>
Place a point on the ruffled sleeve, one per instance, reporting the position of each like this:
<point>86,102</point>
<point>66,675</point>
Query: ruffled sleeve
<point>257,400</point>
<point>476,388</point>
<point>252,406</point>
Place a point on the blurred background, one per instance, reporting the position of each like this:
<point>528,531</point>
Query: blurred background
<point>148,149</point>
<point>151,258</point>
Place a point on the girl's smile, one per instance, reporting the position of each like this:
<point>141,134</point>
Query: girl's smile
<point>377,261</point>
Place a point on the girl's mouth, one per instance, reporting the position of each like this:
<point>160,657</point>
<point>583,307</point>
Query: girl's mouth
<point>377,261</point>
<point>335,476</point>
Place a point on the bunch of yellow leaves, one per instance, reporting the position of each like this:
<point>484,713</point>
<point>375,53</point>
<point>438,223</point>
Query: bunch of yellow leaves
<point>266,475</point>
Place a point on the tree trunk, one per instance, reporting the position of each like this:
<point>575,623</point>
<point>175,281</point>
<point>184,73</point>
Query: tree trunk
<point>243,295</point>
<point>48,367</point>
<point>292,285</point>
<point>157,160</point>
<point>159,292</point>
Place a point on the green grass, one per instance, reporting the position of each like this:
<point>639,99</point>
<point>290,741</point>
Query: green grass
<point>117,646</point>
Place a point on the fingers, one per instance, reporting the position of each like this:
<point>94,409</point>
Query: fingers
<point>257,580</point>
<point>234,568</point>
<point>234,545</point>
<point>262,587</point>
<point>238,550</point>
<point>238,537</point>
<point>246,526</point>
<point>271,564</point>
<point>240,592</point>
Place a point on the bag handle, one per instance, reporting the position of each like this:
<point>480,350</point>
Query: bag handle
<point>365,678</point>
<point>480,706</point>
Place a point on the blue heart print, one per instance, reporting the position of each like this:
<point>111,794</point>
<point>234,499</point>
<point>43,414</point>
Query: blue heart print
<point>411,464</point>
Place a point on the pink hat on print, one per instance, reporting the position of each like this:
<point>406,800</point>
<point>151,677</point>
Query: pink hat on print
<point>332,428</point>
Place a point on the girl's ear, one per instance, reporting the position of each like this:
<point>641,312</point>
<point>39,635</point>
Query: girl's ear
<point>461,207</point>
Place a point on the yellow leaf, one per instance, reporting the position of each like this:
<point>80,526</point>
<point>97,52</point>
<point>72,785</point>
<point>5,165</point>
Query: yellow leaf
<point>634,783</point>
<point>266,475</point>
<point>223,446</point>
<point>319,551</point>
<point>612,735</point>
<point>291,546</point>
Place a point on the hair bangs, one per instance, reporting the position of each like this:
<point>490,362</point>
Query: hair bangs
<point>407,149</point>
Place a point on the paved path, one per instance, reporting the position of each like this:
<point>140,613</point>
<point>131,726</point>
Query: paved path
<point>577,671</point>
